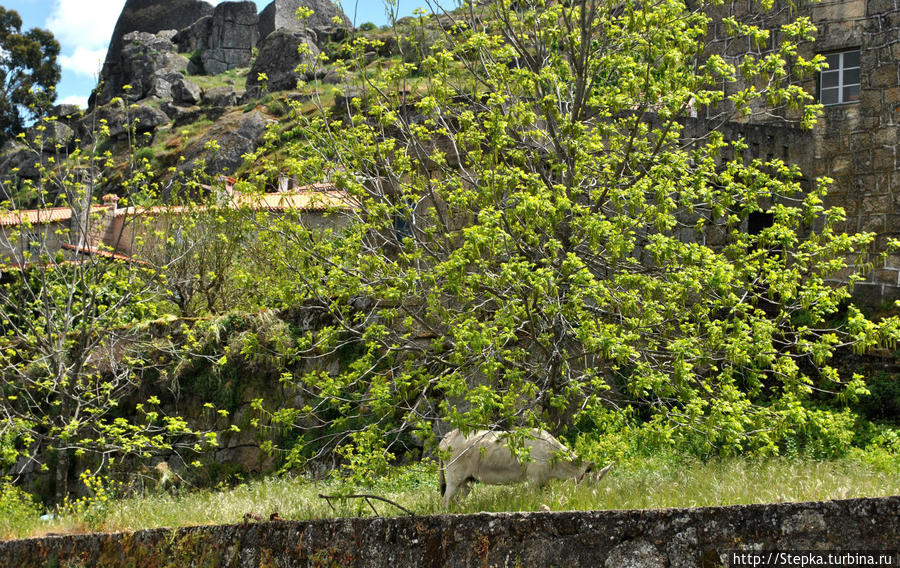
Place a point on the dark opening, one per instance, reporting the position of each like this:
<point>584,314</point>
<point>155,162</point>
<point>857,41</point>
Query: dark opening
<point>758,221</point>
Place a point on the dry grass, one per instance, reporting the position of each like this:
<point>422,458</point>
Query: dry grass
<point>642,484</point>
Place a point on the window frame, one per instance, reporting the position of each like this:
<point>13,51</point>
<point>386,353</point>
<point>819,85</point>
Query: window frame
<point>840,88</point>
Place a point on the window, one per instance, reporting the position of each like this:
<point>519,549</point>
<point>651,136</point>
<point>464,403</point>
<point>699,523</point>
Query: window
<point>840,82</point>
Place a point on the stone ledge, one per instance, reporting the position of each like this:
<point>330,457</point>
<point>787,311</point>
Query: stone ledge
<point>647,538</point>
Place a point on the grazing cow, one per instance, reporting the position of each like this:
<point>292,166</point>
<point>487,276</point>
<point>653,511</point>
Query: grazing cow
<point>484,456</point>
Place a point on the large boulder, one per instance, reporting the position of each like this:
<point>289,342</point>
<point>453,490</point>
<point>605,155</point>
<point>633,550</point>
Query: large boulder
<point>150,16</point>
<point>236,133</point>
<point>194,37</point>
<point>19,157</point>
<point>50,135</point>
<point>185,92</point>
<point>279,57</point>
<point>120,118</point>
<point>221,96</point>
<point>150,65</point>
<point>233,35</point>
<point>282,15</point>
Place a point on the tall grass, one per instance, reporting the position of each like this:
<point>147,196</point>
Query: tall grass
<point>653,482</point>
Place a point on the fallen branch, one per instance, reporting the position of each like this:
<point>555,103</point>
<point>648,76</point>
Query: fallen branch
<point>367,497</point>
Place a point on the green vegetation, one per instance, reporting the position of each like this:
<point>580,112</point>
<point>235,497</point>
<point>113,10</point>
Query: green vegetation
<point>236,78</point>
<point>531,244</point>
<point>666,480</point>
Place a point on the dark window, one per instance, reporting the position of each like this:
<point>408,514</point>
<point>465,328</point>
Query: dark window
<point>840,82</point>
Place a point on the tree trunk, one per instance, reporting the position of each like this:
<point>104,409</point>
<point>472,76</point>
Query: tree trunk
<point>62,475</point>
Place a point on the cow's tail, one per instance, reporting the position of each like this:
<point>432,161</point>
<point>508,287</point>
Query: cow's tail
<point>443,481</point>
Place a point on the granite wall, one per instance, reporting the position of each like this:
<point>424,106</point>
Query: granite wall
<point>673,538</point>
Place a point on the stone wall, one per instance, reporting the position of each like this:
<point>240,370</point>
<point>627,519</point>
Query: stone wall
<point>674,538</point>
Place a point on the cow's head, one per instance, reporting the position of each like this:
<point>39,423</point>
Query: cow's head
<point>590,471</point>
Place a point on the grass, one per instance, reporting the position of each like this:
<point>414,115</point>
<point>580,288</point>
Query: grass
<point>236,78</point>
<point>656,482</point>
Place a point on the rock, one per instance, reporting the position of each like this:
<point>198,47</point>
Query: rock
<point>54,133</point>
<point>220,96</point>
<point>150,65</point>
<point>278,58</point>
<point>282,14</point>
<point>181,114</point>
<point>233,35</point>
<point>184,91</point>
<point>65,111</point>
<point>14,155</point>
<point>635,554</point>
<point>236,133</point>
<point>149,16</point>
<point>194,37</point>
<point>119,118</point>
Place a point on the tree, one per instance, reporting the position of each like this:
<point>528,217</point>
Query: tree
<point>76,342</point>
<point>28,73</point>
<point>537,244</point>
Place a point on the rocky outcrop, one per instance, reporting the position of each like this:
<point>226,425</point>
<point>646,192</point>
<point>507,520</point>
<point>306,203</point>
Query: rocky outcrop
<point>232,36</point>
<point>279,58</point>
<point>150,65</point>
<point>194,37</point>
<point>51,135</point>
<point>18,161</point>
<point>120,119</point>
<point>149,16</point>
<point>221,96</point>
<point>235,134</point>
<point>282,15</point>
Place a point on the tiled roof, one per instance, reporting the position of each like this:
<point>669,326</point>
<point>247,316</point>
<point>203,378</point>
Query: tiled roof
<point>95,251</point>
<point>40,216</point>
<point>303,200</point>
<point>318,197</point>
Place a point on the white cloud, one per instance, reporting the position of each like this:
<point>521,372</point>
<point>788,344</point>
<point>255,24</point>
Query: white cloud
<point>84,61</point>
<point>84,23</point>
<point>73,100</point>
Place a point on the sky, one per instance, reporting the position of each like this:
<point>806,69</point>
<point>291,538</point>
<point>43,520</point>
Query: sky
<point>84,27</point>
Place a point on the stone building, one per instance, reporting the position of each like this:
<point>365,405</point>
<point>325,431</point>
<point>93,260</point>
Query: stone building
<point>112,231</point>
<point>856,141</point>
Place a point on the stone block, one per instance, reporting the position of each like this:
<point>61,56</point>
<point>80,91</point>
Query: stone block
<point>887,136</point>
<point>883,159</point>
<point>876,7</point>
<point>888,276</point>
<point>884,76</point>
<point>840,164</point>
<point>872,223</point>
<point>892,95</point>
<point>877,204</point>
<point>868,294</point>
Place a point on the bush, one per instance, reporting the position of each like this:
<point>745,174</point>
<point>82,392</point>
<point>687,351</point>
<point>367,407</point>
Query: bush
<point>19,511</point>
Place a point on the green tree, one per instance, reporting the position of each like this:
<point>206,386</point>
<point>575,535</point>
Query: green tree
<point>538,244</point>
<point>28,73</point>
<point>76,344</point>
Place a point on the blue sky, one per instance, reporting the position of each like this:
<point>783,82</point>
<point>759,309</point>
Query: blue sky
<point>83,28</point>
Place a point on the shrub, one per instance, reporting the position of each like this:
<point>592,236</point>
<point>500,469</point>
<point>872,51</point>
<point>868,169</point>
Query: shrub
<point>19,511</point>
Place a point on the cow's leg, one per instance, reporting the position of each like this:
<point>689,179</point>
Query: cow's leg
<point>453,484</point>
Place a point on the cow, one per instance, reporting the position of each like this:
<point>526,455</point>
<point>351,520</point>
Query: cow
<point>484,456</point>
